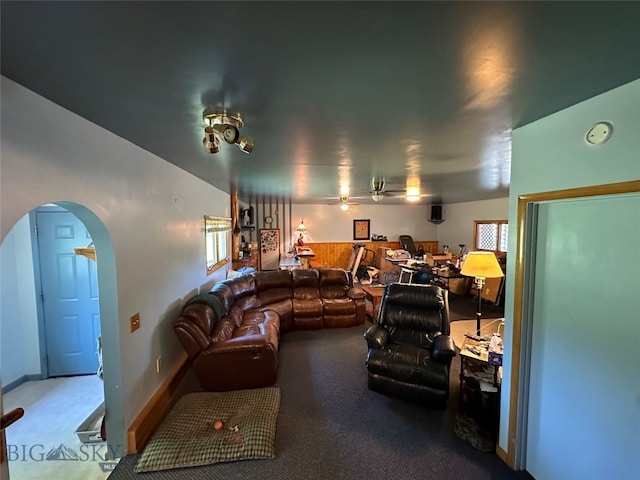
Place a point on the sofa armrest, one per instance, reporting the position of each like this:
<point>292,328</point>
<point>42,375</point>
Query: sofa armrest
<point>355,293</point>
<point>376,336</point>
<point>443,348</point>
<point>243,343</point>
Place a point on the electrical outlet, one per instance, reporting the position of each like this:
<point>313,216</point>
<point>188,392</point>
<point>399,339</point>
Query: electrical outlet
<point>134,322</point>
<point>159,364</point>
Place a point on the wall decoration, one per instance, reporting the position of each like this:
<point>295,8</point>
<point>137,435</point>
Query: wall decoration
<point>269,248</point>
<point>361,229</point>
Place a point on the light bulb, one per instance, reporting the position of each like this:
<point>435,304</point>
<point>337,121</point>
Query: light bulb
<point>344,207</point>
<point>413,194</point>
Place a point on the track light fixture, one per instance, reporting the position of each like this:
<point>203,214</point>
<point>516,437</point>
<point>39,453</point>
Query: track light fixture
<point>210,142</point>
<point>227,126</point>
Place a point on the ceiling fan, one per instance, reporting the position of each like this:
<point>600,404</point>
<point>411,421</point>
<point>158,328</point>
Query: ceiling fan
<point>344,203</point>
<point>378,191</point>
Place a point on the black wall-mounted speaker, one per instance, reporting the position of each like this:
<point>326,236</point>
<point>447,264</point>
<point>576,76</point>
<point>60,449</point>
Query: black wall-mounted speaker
<point>436,214</point>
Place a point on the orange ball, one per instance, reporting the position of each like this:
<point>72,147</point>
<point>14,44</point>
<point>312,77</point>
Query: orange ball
<point>217,425</point>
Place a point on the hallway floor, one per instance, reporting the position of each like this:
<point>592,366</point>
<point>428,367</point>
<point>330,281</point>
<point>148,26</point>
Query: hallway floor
<point>54,409</point>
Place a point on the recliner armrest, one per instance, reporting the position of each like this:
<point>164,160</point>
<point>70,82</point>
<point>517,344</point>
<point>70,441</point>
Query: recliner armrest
<point>355,293</point>
<point>443,348</point>
<point>376,337</point>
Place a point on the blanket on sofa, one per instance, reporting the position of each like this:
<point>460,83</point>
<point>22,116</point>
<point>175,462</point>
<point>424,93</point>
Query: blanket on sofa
<point>211,300</point>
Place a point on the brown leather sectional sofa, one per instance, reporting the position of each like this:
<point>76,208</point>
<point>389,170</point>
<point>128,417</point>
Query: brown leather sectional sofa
<point>232,333</point>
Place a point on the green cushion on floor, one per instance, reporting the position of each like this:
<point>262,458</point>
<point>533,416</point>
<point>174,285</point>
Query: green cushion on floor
<point>187,437</point>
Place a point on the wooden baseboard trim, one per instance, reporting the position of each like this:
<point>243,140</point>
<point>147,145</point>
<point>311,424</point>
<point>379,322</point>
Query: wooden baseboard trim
<point>502,455</point>
<point>154,411</point>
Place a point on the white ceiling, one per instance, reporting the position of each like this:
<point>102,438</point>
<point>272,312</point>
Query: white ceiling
<point>334,93</point>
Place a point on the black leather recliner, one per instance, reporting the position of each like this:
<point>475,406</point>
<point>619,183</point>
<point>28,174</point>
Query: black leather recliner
<point>410,348</point>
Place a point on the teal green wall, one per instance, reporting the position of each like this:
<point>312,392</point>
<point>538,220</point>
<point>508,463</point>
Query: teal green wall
<point>552,154</point>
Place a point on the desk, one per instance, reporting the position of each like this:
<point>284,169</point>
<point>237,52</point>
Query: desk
<point>305,253</point>
<point>289,263</point>
<point>396,261</point>
<point>372,298</point>
<point>454,282</point>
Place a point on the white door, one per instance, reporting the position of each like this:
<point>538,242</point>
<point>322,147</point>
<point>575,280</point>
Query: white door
<point>584,410</point>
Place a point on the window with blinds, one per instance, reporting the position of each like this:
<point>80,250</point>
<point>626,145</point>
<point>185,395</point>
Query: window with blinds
<point>217,242</point>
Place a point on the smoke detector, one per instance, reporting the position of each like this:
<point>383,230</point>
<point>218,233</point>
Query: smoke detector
<point>599,133</point>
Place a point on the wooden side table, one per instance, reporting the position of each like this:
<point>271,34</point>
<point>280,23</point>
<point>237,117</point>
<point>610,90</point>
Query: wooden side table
<point>305,253</point>
<point>479,385</point>
<point>372,299</point>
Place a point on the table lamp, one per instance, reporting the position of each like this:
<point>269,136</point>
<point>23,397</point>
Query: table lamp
<point>302,232</point>
<point>481,265</point>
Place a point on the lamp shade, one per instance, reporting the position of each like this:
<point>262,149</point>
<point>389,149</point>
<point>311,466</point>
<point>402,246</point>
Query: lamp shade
<point>302,228</point>
<point>481,264</point>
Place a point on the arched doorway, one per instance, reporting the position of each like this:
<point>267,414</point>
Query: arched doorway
<point>109,326</point>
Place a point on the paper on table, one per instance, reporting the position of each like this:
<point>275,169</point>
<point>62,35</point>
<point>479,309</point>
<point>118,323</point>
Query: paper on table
<point>487,387</point>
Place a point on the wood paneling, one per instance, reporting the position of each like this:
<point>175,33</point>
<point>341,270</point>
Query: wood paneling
<point>338,254</point>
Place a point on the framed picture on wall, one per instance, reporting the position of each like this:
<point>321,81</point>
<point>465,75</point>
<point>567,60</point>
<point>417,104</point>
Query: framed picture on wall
<point>269,249</point>
<point>361,229</point>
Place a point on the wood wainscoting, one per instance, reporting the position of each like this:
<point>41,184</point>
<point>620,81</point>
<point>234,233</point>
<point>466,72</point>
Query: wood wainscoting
<point>338,254</point>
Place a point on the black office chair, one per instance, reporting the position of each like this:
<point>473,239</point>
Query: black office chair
<point>406,243</point>
<point>410,347</point>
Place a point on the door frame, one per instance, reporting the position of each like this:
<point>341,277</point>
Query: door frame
<point>521,345</point>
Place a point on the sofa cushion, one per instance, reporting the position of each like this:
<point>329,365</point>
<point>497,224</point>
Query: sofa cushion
<point>273,286</point>
<point>242,285</point>
<point>236,315</point>
<point>284,310</point>
<point>194,327</point>
<point>224,293</point>
<point>211,300</point>
<point>333,283</point>
<point>258,330</point>
<point>247,302</point>
<point>223,330</point>
<point>408,364</point>
<point>272,278</point>
<point>338,306</point>
<point>307,308</point>
<point>267,317</point>
<point>305,284</point>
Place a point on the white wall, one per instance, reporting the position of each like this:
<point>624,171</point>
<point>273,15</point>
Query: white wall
<point>551,154</point>
<point>19,353</point>
<point>327,223</point>
<point>458,218</point>
<point>152,212</point>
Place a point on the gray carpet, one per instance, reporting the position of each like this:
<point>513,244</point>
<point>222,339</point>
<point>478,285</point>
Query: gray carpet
<point>331,426</point>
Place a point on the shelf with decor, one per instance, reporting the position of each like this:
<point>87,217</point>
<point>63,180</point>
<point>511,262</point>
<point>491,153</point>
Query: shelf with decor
<point>246,261</point>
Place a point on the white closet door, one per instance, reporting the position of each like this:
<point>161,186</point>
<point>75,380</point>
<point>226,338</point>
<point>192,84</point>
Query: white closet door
<point>584,400</point>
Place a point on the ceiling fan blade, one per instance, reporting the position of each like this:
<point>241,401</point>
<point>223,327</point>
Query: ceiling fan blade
<point>404,190</point>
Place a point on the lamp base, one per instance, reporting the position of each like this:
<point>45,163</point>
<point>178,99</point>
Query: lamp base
<point>480,284</point>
